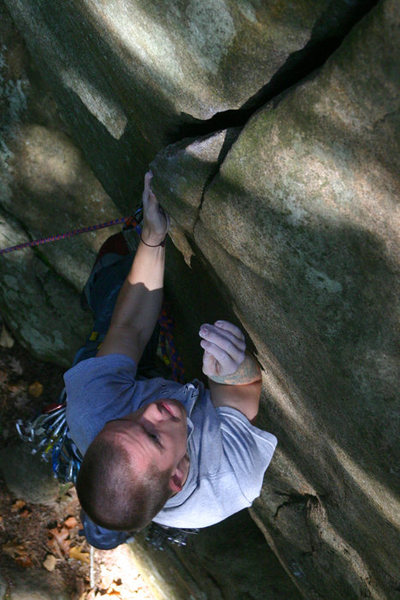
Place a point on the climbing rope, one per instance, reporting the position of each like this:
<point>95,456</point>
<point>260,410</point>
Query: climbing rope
<point>63,236</point>
<point>167,344</point>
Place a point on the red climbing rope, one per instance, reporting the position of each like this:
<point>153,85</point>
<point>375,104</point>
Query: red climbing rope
<point>62,236</point>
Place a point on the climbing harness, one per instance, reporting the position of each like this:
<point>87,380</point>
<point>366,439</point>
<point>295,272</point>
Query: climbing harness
<point>49,432</point>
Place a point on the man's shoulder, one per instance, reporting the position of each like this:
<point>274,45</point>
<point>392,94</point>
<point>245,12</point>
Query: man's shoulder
<point>231,453</point>
<point>98,390</point>
<point>99,367</point>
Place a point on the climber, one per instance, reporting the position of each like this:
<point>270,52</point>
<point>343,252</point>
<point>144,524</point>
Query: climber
<point>156,450</point>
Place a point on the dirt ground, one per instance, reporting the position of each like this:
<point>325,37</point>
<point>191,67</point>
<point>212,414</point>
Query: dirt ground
<point>37,537</point>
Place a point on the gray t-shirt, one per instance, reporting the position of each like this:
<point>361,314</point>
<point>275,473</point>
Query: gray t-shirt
<point>228,456</point>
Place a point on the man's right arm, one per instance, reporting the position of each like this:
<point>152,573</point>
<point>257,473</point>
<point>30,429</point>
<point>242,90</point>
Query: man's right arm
<point>139,301</point>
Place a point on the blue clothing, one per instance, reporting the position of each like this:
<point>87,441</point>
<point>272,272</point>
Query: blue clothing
<point>228,456</point>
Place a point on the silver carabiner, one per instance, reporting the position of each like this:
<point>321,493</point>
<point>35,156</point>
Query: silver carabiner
<point>27,435</point>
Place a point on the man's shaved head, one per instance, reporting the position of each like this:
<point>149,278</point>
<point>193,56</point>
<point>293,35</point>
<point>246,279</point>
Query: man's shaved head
<point>113,492</point>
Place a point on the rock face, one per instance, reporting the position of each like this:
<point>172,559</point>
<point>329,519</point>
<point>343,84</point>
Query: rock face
<point>128,76</point>
<point>301,225</point>
<point>27,476</point>
<point>36,584</point>
<point>46,188</point>
<point>290,225</point>
<point>229,560</point>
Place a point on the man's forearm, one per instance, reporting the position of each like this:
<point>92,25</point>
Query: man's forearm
<point>139,302</point>
<point>138,305</point>
<point>241,390</point>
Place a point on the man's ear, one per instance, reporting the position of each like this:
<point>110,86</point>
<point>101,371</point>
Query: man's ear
<point>175,482</point>
<point>179,475</point>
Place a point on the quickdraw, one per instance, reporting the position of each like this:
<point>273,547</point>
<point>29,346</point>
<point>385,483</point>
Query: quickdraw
<point>50,437</point>
<point>157,535</point>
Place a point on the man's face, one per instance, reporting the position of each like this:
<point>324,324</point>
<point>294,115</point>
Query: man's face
<point>156,433</point>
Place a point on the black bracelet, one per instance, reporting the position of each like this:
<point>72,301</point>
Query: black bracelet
<point>151,245</point>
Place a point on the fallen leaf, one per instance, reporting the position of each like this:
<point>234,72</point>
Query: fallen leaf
<point>112,590</point>
<point>35,389</point>
<point>13,549</point>
<point>21,401</point>
<point>58,541</point>
<point>71,522</point>
<point>15,366</point>
<point>77,554</point>
<point>6,340</point>
<point>25,513</point>
<point>18,505</point>
<point>50,562</point>
<point>18,552</point>
<point>16,388</point>
<point>55,548</point>
<point>24,561</point>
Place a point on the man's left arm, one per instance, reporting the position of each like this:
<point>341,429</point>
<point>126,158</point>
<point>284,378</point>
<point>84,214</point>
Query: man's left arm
<point>234,376</point>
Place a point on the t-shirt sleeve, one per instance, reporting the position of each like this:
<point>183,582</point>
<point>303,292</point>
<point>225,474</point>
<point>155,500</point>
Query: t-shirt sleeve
<point>98,390</point>
<point>247,449</point>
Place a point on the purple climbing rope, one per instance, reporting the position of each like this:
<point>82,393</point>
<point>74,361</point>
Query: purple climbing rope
<point>62,236</point>
<point>169,352</point>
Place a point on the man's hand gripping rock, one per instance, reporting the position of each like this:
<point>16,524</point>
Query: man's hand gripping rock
<point>225,359</point>
<point>155,220</point>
